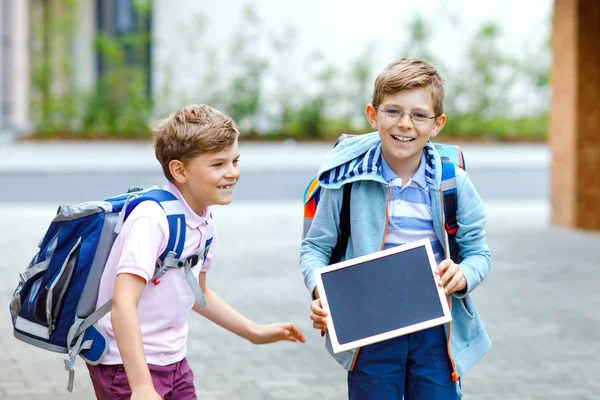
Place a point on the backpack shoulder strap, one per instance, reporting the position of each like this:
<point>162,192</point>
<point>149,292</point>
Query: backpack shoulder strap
<point>175,217</point>
<point>448,186</point>
<point>312,194</point>
<point>172,254</point>
<point>342,242</point>
<point>311,190</point>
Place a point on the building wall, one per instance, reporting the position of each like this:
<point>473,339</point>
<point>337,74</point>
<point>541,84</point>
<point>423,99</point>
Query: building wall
<point>575,114</point>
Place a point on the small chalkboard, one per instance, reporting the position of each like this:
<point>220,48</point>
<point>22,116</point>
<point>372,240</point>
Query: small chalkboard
<point>382,295</point>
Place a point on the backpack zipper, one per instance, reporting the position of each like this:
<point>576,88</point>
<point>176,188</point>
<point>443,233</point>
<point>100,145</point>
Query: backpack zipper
<point>64,277</point>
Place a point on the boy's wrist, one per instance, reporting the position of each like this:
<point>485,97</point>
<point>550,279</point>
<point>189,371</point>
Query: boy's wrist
<point>252,332</point>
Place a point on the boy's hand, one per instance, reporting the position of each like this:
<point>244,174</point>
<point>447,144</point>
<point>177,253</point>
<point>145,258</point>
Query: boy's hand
<point>452,278</point>
<point>318,316</point>
<point>145,393</point>
<point>265,334</point>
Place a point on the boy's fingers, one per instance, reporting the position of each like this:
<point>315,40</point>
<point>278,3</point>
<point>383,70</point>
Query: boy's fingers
<point>296,333</point>
<point>320,326</point>
<point>443,267</point>
<point>454,284</point>
<point>318,317</point>
<point>317,309</point>
<point>450,272</point>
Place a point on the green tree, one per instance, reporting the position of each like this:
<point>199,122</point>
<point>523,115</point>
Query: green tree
<point>418,41</point>
<point>285,99</point>
<point>486,81</point>
<point>121,102</point>
<point>54,96</point>
<point>249,68</point>
<point>360,87</point>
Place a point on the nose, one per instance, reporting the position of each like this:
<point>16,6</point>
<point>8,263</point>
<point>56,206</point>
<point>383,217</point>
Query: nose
<point>233,172</point>
<point>405,121</point>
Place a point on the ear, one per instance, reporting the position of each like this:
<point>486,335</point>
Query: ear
<point>438,125</point>
<point>177,170</point>
<point>371,113</point>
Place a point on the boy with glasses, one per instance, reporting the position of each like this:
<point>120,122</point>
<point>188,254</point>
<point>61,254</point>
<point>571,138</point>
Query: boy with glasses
<point>396,175</point>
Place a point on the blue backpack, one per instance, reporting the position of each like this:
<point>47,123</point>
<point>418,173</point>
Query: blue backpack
<point>451,156</point>
<point>54,304</point>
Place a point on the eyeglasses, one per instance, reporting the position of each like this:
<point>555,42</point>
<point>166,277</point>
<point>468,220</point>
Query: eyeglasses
<point>417,118</point>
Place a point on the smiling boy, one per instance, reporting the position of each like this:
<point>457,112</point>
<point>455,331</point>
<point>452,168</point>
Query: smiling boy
<point>396,176</point>
<point>147,330</point>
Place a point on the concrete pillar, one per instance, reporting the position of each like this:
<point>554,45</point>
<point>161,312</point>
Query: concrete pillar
<point>575,114</point>
<point>5,46</point>
<point>20,64</point>
<point>84,51</point>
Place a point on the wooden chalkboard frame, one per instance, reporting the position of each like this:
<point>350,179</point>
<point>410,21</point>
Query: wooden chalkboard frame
<point>391,253</point>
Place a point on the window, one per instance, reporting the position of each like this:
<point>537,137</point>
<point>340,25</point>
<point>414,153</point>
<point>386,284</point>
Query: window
<point>126,23</point>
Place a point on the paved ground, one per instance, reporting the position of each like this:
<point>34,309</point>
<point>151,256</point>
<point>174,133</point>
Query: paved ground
<point>540,306</point>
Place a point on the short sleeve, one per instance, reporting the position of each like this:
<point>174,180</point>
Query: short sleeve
<point>143,239</point>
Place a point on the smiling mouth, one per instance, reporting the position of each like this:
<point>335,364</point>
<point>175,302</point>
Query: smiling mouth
<point>226,186</point>
<point>403,139</point>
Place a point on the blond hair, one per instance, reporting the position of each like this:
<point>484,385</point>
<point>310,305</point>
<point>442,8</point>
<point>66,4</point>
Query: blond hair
<point>407,74</point>
<point>190,132</point>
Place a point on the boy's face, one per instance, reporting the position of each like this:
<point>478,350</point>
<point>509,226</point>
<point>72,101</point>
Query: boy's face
<point>402,139</point>
<point>209,178</point>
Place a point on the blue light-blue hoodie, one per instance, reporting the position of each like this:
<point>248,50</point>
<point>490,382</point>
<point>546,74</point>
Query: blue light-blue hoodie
<point>358,160</point>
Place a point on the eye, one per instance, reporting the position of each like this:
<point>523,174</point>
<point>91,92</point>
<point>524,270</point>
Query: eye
<point>393,112</point>
<point>420,116</point>
<point>218,164</point>
<point>236,161</point>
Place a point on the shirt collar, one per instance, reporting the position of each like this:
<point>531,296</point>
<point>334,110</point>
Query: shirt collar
<point>419,177</point>
<point>192,219</point>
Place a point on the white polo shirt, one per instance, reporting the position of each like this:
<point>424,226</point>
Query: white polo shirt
<point>409,210</point>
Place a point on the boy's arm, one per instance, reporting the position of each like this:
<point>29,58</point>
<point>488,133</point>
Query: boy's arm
<point>222,314</point>
<point>471,237</point>
<point>126,326</point>
<point>322,236</point>
<point>143,237</point>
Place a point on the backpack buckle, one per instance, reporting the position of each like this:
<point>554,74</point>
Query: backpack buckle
<point>451,229</point>
<point>193,260</point>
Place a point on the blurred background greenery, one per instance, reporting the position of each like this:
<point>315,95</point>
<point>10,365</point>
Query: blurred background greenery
<point>122,105</point>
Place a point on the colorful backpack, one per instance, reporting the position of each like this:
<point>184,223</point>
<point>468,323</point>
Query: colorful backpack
<point>451,156</point>
<point>54,304</point>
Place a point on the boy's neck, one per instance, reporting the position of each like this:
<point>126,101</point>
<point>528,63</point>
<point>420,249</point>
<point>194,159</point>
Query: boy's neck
<point>196,206</point>
<point>404,169</point>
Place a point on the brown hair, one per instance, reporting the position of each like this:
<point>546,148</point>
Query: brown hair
<point>190,132</point>
<point>407,74</point>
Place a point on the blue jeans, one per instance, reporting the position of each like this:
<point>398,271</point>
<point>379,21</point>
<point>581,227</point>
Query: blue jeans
<point>415,366</point>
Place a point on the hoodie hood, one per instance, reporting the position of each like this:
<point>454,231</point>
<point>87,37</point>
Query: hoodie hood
<point>359,158</point>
